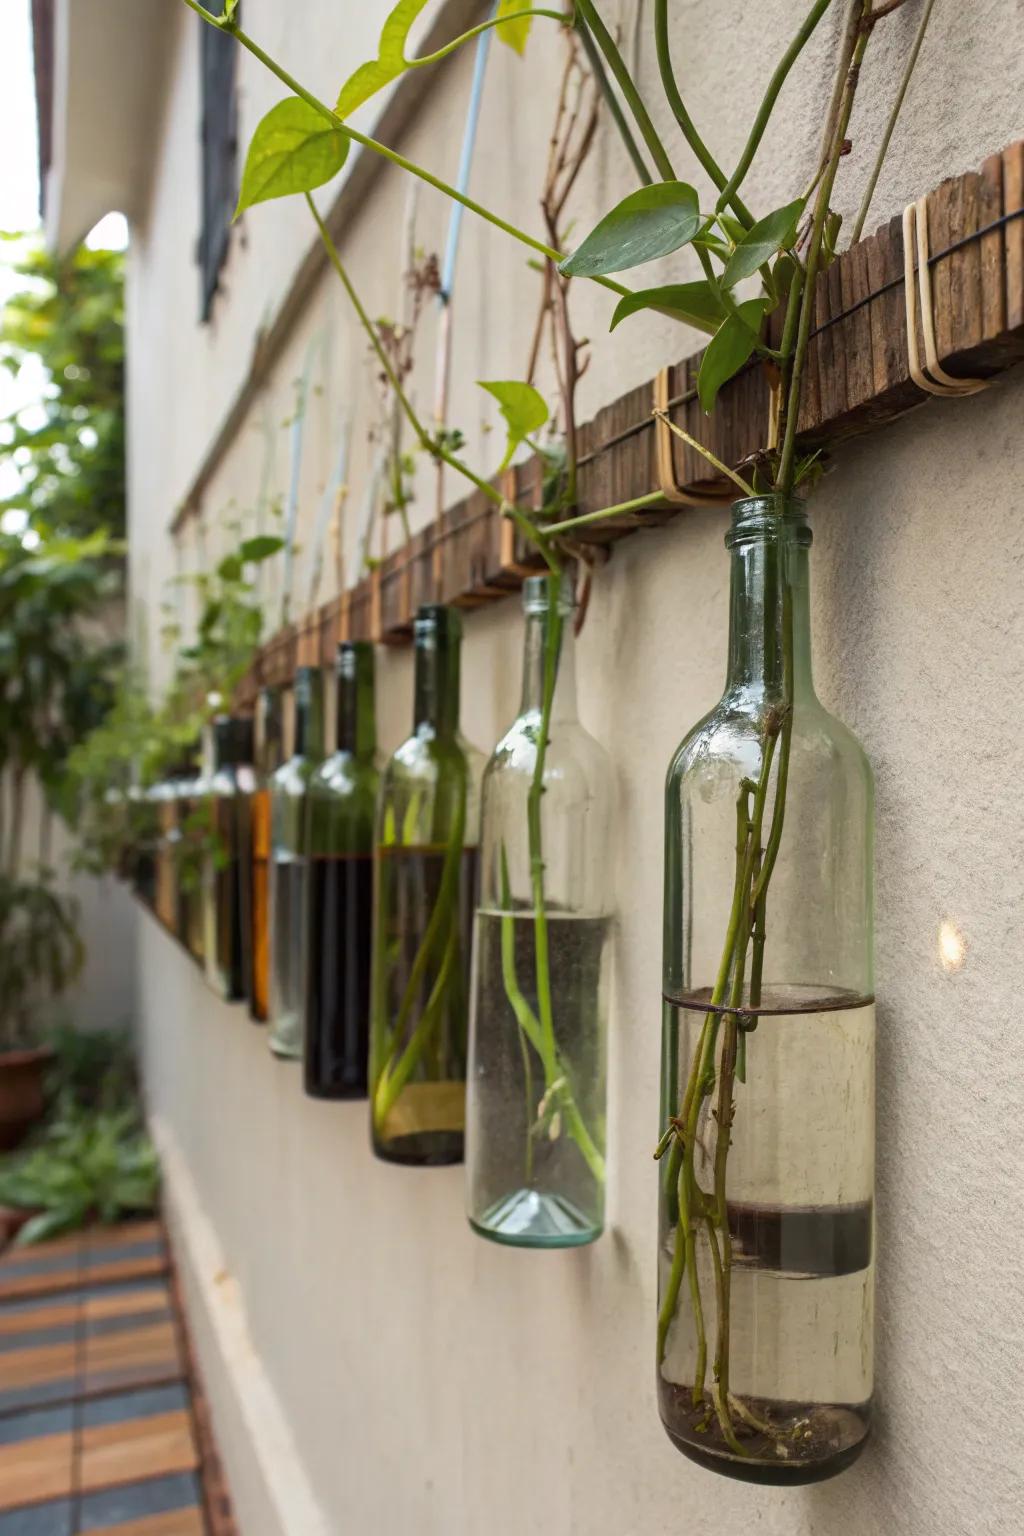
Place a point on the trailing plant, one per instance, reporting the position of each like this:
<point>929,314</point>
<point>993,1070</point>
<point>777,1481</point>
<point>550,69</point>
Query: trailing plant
<point>139,742</point>
<point>89,1165</point>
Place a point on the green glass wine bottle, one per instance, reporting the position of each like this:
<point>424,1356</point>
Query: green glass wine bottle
<point>424,889</point>
<point>225,898</point>
<point>269,739</point>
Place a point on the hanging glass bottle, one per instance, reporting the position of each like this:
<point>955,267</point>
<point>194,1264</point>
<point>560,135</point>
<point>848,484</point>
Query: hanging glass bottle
<point>191,820</point>
<point>268,759</point>
<point>340,818</point>
<point>767,1151</point>
<point>289,868</point>
<point>535,1109</point>
<point>225,901</point>
<point>424,879</point>
<point>164,799</point>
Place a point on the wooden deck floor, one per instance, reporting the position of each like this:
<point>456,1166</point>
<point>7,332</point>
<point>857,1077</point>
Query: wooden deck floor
<point>102,1424</point>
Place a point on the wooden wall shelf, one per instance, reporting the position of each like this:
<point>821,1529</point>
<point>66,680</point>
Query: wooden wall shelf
<point>858,376</point>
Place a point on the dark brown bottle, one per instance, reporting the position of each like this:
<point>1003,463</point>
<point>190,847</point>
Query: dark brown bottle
<point>342,798</point>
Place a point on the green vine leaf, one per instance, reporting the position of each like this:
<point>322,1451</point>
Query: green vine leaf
<point>514,31</point>
<point>294,149</point>
<point>760,243</point>
<point>390,62</point>
<point>653,222</point>
<point>694,304</point>
<point>729,349</point>
<point>523,408</point>
<point>260,548</point>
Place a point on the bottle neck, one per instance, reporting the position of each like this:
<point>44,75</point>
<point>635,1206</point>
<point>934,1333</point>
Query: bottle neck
<point>232,743</point>
<point>436,695</point>
<point>269,731</point>
<point>536,661</point>
<point>308,713</point>
<point>769,603</point>
<point>356,715</point>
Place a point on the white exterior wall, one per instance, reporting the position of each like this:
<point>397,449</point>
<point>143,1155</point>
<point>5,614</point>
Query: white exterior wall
<point>375,1367</point>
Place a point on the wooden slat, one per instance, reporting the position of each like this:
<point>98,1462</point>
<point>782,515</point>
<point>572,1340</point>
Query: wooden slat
<point>34,1470</point>
<point>177,1522</point>
<point>131,1450</point>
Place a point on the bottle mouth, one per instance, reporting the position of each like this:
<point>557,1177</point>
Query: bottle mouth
<point>537,594</point>
<point>350,656</point>
<point>437,622</point>
<point>769,518</point>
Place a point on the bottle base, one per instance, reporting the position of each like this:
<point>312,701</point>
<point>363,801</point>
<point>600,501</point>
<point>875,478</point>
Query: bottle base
<point>530,1218</point>
<point>423,1149</point>
<point>823,1439</point>
<point>336,1091</point>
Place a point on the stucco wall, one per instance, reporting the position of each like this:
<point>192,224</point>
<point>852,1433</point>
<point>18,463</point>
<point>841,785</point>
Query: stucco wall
<point>410,1377</point>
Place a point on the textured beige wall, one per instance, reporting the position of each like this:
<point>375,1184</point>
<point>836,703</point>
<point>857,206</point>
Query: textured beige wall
<point>435,1384</point>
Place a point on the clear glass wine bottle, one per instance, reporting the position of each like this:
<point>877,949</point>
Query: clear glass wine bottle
<point>289,868</point>
<point>535,1113</point>
<point>766,1263</point>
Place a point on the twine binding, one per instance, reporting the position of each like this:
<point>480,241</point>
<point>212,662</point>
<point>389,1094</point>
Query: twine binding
<point>665,459</point>
<point>932,378</point>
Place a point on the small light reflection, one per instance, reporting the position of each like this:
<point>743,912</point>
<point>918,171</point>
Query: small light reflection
<point>952,946</point>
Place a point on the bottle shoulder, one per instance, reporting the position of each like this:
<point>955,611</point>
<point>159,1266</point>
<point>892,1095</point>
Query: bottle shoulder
<point>571,751</point>
<point>291,778</point>
<point>426,756</point>
<point>343,774</point>
<point>731,737</point>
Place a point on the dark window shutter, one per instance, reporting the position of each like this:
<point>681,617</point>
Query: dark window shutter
<point>218,61</point>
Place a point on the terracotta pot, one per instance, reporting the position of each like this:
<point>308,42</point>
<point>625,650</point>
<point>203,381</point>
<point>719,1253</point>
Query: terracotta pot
<point>22,1099</point>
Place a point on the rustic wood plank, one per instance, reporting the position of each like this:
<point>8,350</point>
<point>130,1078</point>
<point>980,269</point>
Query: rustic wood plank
<point>35,1470</point>
<point>1013,257</point>
<point>132,1450</point>
<point>177,1522</point>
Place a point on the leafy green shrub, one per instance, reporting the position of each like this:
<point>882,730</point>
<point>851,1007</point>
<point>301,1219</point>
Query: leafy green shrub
<point>88,1165</point>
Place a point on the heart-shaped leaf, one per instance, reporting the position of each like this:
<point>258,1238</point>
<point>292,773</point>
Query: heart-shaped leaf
<point>513,27</point>
<point>760,243</point>
<point>261,547</point>
<point>294,149</point>
<point>390,62</point>
<point>729,349</point>
<point>523,408</point>
<point>653,222</point>
<point>693,303</point>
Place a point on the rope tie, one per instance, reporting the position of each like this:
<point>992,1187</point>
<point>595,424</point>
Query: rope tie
<point>933,379</point>
<point>665,458</point>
